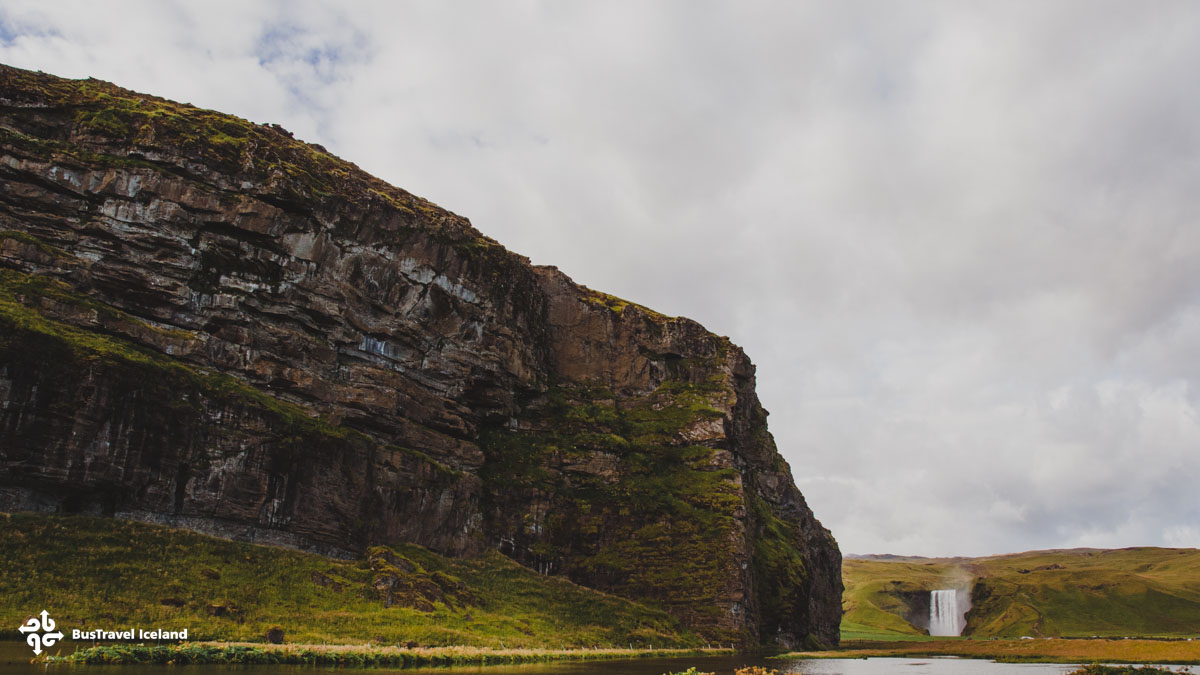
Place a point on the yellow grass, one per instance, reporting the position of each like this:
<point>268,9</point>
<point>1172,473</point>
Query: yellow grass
<point>362,655</point>
<point>478,653</point>
<point>1109,650</point>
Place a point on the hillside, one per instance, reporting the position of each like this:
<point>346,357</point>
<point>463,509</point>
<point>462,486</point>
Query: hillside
<point>209,324</point>
<point>1067,593</point>
<point>109,574</point>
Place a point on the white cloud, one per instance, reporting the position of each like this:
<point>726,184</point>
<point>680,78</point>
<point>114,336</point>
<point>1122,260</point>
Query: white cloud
<point>957,238</point>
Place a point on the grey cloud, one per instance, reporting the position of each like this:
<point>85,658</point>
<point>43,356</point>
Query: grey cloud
<point>957,238</point>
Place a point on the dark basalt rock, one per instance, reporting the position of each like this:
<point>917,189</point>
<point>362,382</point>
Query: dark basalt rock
<point>207,323</point>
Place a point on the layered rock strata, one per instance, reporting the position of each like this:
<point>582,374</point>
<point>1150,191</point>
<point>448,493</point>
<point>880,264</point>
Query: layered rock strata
<point>208,323</point>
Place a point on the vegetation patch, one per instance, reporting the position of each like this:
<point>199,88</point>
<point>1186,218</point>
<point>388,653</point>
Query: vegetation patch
<point>359,656</point>
<point>1098,669</point>
<point>32,290</point>
<point>107,573</point>
<point>401,582</point>
<point>655,524</point>
<point>1021,651</point>
<point>55,149</point>
<point>29,239</point>
<point>619,305</point>
<point>755,670</point>
<point>632,506</point>
<point>780,566</point>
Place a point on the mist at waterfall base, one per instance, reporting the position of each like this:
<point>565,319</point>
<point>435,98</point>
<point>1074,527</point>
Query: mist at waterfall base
<point>947,610</point>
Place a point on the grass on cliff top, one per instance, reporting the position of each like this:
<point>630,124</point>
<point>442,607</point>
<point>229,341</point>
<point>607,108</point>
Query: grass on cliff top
<point>1152,592</point>
<point>113,574</point>
<point>99,124</point>
<point>126,117</point>
<point>618,305</point>
<point>113,126</point>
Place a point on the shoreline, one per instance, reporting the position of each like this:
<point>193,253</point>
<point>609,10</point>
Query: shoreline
<point>354,655</point>
<point>1058,650</point>
<point>1177,652</point>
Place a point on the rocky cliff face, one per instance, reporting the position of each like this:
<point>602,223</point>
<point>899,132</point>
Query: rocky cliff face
<point>207,323</point>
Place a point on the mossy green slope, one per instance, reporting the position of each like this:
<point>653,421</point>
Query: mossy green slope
<point>113,574</point>
<point>657,526</point>
<point>661,522</point>
<point>1071,593</point>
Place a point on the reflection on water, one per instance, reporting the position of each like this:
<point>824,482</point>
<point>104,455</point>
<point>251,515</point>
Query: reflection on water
<point>15,656</point>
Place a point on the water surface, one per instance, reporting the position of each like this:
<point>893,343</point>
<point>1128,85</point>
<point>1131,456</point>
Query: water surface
<point>15,656</point>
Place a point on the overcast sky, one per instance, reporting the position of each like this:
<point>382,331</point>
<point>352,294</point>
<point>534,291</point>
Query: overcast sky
<point>959,239</point>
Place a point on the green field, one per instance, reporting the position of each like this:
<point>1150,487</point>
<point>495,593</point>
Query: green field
<point>1152,592</point>
<point>102,573</point>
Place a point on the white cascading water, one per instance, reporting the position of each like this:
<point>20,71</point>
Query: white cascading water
<point>945,617</point>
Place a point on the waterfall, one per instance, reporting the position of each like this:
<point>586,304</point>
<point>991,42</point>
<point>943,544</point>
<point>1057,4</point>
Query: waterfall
<point>945,615</point>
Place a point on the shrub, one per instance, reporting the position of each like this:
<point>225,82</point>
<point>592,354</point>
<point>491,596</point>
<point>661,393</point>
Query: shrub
<point>755,670</point>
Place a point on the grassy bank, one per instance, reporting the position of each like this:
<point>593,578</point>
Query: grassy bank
<point>356,656</point>
<point>102,573</point>
<point>1098,669</point>
<point>1044,651</point>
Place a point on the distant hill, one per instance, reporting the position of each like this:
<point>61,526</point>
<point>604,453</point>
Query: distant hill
<point>1067,593</point>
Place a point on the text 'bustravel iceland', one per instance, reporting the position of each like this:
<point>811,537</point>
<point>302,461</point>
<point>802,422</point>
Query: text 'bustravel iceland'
<point>130,634</point>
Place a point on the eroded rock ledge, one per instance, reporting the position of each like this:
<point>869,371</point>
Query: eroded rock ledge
<point>208,323</point>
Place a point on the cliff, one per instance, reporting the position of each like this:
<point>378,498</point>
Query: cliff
<point>207,323</point>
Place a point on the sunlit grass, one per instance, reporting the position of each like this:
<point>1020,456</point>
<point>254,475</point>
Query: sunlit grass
<point>113,574</point>
<point>1041,650</point>
<point>356,655</point>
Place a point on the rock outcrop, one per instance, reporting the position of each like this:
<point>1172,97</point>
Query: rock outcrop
<point>205,322</point>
